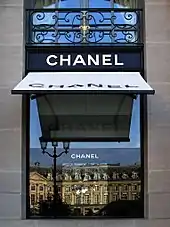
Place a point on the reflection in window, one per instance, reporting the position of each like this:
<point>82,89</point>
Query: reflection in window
<point>50,189</point>
<point>68,199</point>
<point>105,187</point>
<point>32,199</point>
<point>88,186</point>
<point>134,187</point>
<point>86,199</point>
<point>124,196</point>
<point>41,188</point>
<point>33,187</point>
<point>59,189</point>
<point>96,199</point>
<point>115,188</point>
<point>78,199</point>
<point>40,198</point>
<point>105,199</point>
<point>67,189</point>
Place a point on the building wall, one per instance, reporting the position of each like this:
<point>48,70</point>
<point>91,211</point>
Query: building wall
<point>12,154</point>
<point>11,64</point>
<point>158,73</point>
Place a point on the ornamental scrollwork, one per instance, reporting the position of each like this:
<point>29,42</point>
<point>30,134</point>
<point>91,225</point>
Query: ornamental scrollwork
<point>84,26</point>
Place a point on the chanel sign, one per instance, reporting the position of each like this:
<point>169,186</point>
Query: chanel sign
<point>97,60</point>
<point>87,58</point>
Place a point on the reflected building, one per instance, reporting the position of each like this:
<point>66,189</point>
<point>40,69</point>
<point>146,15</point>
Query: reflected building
<point>87,189</point>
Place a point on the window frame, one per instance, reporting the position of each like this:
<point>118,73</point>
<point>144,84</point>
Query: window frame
<point>26,141</point>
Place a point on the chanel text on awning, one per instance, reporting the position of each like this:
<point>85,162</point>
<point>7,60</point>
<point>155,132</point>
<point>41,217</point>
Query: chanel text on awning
<point>89,85</point>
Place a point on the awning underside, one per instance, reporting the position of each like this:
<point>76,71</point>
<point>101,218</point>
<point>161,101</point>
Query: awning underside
<point>83,82</point>
<point>85,117</point>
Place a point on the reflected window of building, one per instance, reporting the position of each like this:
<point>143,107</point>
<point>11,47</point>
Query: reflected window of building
<point>32,199</point>
<point>105,187</point>
<point>40,198</point>
<point>78,199</point>
<point>115,197</point>
<point>67,199</point>
<point>41,188</point>
<point>105,199</point>
<point>124,196</point>
<point>49,189</point>
<point>96,199</point>
<point>67,188</point>
<point>96,187</point>
<point>134,187</point>
<point>32,187</point>
<point>87,199</point>
<point>59,188</point>
<point>115,187</point>
<point>125,187</point>
<point>133,196</point>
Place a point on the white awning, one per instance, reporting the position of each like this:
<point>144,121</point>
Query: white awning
<point>64,82</point>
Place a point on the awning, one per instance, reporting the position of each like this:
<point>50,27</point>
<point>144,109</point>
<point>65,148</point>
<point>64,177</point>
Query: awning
<point>83,82</point>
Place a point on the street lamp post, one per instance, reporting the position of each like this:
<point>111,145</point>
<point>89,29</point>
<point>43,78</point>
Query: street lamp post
<point>43,144</point>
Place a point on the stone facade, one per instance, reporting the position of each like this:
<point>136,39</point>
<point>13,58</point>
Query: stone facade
<point>12,140</point>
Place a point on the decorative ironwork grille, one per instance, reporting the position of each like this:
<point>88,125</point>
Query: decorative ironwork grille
<point>84,26</point>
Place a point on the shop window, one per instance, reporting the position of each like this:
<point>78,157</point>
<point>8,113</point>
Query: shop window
<point>115,164</point>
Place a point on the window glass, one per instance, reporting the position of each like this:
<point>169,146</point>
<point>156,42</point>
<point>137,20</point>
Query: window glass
<point>98,27</point>
<point>93,179</point>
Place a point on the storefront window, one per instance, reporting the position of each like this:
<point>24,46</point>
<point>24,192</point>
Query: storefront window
<point>105,176</point>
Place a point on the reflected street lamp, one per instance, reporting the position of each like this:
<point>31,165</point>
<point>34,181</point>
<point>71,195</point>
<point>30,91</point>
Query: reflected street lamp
<point>44,144</point>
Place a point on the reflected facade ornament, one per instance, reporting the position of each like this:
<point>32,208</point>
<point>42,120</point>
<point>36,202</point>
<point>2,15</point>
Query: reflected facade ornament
<point>77,175</point>
<point>67,177</point>
<point>105,176</point>
<point>125,176</point>
<point>134,175</point>
<point>87,177</point>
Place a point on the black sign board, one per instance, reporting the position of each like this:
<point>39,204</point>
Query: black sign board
<point>87,58</point>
